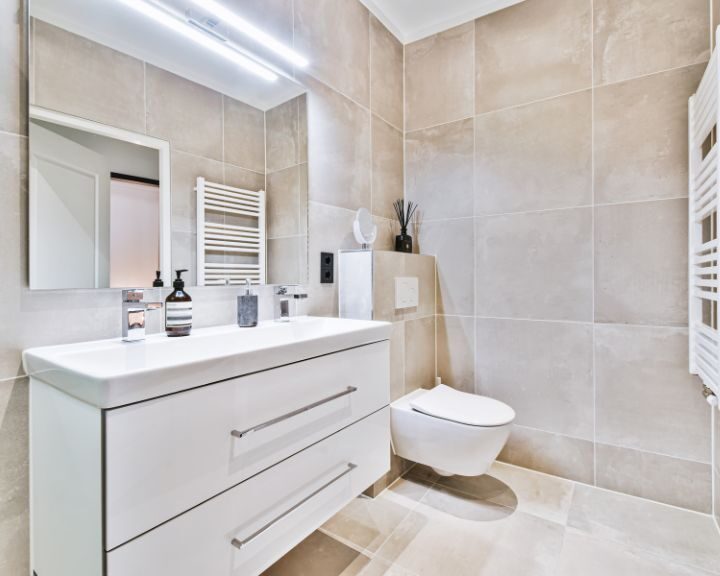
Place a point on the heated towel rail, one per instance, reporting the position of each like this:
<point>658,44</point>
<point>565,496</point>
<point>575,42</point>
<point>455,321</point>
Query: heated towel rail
<point>231,244</point>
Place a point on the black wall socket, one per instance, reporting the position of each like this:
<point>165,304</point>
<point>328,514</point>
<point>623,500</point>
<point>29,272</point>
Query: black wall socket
<point>327,268</point>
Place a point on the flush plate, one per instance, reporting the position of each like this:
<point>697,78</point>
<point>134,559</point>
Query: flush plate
<point>407,292</point>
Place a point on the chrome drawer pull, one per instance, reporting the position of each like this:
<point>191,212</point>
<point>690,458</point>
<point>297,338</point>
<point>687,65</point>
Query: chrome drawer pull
<point>241,433</point>
<point>239,544</point>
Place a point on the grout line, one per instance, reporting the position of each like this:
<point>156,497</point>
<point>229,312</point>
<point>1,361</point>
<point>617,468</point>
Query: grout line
<point>592,235</point>
<point>16,134</point>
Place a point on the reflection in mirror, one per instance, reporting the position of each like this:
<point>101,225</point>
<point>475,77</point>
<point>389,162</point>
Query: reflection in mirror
<point>129,119</point>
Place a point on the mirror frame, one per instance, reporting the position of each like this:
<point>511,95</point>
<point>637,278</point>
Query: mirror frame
<point>163,148</point>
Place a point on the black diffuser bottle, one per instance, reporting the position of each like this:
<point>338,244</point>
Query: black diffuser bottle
<point>404,213</point>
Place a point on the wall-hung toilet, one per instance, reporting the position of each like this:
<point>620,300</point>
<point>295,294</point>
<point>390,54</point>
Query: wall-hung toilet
<point>451,431</point>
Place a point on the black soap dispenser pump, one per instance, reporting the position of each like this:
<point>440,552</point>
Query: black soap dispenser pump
<point>178,309</point>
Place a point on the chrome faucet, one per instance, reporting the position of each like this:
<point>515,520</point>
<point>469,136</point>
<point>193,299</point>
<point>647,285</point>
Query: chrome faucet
<point>134,309</point>
<point>282,304</point>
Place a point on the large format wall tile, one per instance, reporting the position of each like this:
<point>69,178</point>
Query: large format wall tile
<point>13,69</point>
<point>550,453</point>
<point>439,170</point>
<point>389,265</point>
<point>244,135</point>
<point>673,481</point>
<point>420,353</point>
<point>716,460</point>
<point>452,242</point>
<point>185,169</point>
<point>339,148</point>
<point>535,265</point>
<point>285,202</point>
<point>642,152</point>
<point>456,351</point>
<point>532,157</point>
<point>14,478</point>
<point>439,78</point>
<point>387,167</point>
<point>282,134</point>
<point>334,36</point>
<point>77,76</point>
<point>386,74</point>
<point>542,369</point>
<point>242,178</point>
<point>533,50</point>
<point>646,399</point>
<point>187,114</point>
<point>641,263</point>
<point>637,37</point>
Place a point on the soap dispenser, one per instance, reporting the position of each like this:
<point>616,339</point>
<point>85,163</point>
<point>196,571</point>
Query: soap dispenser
<point>178,309</point>
<point>247,308</point>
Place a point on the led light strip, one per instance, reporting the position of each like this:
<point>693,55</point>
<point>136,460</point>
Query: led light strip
<point>170,21</point>
<point>242,25</point>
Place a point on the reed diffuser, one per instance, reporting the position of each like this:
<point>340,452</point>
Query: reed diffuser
<point>404,213</point>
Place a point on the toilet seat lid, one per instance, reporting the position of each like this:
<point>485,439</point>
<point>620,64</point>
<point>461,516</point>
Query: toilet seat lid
<point>450,404</point>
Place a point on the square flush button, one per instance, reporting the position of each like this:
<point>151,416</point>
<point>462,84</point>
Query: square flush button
<point>407,292</point>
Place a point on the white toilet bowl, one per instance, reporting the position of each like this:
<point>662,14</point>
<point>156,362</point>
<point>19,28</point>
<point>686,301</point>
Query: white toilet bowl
<point>453,432</point>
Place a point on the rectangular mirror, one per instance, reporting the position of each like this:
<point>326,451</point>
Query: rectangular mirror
<point>153,150</point>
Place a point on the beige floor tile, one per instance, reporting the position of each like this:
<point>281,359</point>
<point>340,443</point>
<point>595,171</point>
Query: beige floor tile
<point>367,522</point>
<point>432,542</point>
<point>676,535</point>
<point>380,567</point>
<point>594,557</point>
<point>531,492</point>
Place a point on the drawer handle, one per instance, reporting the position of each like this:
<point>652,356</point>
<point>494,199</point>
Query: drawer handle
<point>242,433</point>
<point>239,544</point>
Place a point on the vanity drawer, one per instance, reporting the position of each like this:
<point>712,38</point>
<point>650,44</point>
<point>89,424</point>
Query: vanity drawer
<point>247,528</point>
<point>167,455</point>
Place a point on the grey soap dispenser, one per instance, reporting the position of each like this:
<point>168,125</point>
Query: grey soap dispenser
<point>247,308</point>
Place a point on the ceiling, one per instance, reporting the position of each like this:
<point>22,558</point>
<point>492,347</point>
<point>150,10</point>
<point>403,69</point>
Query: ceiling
<point>410,20</point>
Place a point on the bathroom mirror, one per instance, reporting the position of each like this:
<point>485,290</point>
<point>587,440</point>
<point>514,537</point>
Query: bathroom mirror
<point>161,139</point>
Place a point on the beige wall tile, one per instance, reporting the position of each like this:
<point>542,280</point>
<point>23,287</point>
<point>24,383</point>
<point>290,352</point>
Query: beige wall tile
<point>532,157</point>
<point>670,480</point>
<point>334,35</point>
<point>452,242</point>
<point>456,352</point>
<point>641,263</point>
<point>716,460</point>
<point>244,135</point>
<point>284,201</point>
<point>338,148</point>
<point>542,369</point>
<point>14,479</point>
<point>187,114</point>
<point>387,230</point>
<point>550,453</point>
<point>284,262</point>
<point>184,254</point>
<point>439,170</point>
<point>646,399</point>
<point>389,265</point>
<point>283,133</point>
<point>651,527</point>
<point>13,70</point>
<point>185,170</point>
<point>439,78</point>
<point>242,178</point>
<point>387,168</point>
<point>397,360</point>
<point>419,353</point>
<point>386,74</point>
<point>535,265</point>
<point>77,76</point>
<point>641,147</point>
<point>637,37</point>
<point>534,50</point>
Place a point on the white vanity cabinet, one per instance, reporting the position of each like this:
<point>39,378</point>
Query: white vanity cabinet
<point>220,479</point>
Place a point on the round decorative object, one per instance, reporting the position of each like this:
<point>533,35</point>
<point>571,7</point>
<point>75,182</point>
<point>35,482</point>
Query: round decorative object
<point>364,228</point>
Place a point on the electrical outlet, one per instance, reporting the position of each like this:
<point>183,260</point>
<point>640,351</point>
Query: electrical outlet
<point>407,292</point>
<point>327,268</point>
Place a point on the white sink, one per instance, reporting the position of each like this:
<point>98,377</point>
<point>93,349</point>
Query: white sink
<point>112,373</point>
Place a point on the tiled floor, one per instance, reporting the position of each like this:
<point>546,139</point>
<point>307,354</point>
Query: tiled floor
<point>512,522</point>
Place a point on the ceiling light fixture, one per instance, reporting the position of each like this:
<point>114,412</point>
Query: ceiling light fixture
<point>172,22</point>
<point>242,25</point>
